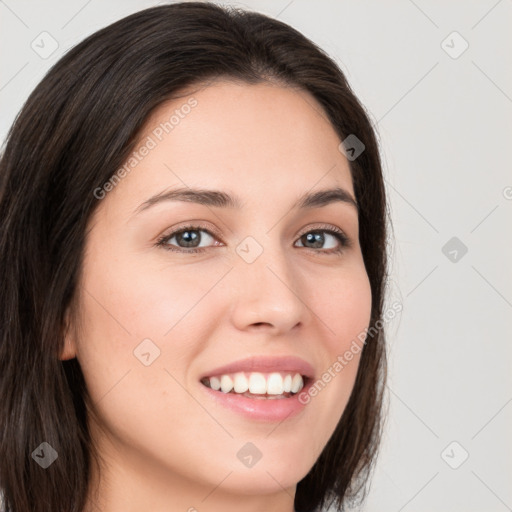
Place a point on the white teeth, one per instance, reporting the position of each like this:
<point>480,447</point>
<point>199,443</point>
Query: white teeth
<point>215,383</point>
<point>226,383</point>
<point>275,384</point>
<point>241,383</point>
<point>297,383</point>
<point>287,383</point>
<point>258,383</point>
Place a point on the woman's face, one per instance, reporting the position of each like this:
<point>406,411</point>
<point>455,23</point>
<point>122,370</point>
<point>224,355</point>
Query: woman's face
<point>158,318</point>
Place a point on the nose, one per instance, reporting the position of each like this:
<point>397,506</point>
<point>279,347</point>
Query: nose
<point>267,294</point>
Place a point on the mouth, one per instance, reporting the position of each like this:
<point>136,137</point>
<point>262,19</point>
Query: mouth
<point>258,385</point>
<point>272,397</point>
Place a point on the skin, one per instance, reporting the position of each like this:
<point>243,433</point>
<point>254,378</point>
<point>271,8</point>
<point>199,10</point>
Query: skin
<point>165,445</point>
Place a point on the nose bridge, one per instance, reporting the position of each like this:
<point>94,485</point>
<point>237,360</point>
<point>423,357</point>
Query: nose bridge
<point>267,289</point>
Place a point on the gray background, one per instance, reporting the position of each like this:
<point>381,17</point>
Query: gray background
<point>445,125</point>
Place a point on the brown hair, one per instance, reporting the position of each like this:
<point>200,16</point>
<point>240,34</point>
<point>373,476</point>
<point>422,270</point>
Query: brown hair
<point>75,130</point>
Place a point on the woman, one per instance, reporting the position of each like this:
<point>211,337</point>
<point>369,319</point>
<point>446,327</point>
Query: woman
<point>193,261</point>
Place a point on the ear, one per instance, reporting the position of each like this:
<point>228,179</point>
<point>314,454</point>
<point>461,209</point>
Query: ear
<point>69,350</point>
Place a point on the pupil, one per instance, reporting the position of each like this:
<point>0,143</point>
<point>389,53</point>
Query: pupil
<point>315,238</point>
<point>190,238</point>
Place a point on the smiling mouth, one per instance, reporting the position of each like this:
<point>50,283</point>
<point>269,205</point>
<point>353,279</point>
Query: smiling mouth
<point>258,386</point>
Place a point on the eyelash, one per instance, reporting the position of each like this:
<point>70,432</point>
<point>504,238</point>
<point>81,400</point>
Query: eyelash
<point>345,242</point>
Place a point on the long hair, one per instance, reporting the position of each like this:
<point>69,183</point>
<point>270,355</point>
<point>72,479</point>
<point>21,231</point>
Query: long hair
<point>75,130</point>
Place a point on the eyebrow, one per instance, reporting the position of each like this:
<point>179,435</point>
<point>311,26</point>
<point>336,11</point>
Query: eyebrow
<point>220,199</point>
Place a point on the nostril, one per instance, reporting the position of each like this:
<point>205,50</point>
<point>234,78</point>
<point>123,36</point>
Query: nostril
<point>258,324</point>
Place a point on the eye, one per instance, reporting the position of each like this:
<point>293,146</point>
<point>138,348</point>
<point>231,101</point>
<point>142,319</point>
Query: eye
<point>317,238</point>
<point>188,239</point>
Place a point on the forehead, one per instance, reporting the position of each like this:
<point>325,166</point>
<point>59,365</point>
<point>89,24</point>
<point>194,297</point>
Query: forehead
<point>244,103</point>
<point>257,140</point>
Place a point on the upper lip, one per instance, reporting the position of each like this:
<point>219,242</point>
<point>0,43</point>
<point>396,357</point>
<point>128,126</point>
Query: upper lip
<point>265,364</point>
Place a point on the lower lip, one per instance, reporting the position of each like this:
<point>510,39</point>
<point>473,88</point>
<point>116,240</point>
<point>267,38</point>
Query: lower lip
<point>269,410</point>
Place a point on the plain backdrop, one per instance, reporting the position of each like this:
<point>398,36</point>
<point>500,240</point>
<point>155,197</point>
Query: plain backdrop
<point>436,79</point>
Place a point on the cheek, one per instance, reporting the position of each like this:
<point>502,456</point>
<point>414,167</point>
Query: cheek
<point>125,303</point>
<point>147,406</point>
<point>344,307</point>
<point>350,323</point>
<point>145,296</point>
